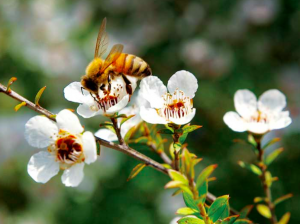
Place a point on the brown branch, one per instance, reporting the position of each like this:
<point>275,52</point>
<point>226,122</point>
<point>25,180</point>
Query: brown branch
<point>122,148</point>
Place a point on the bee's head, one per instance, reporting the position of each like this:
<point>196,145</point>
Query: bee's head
<point>89,84</point>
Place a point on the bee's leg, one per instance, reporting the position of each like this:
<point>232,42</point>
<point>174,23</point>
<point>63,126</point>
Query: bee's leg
<point>128,85</point>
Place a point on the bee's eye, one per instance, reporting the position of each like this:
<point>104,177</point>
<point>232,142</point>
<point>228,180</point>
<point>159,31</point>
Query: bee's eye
<point>91,85</point>
<point>102,87</point>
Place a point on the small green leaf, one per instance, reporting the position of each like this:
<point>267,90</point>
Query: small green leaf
<point>285,218</point>
<point>173,184</point>
<point>186,211</point>
<point>258,199</point>
<point>10,82</point>
<point>182,138</point>
<point>251,140</point>
<point>177,192</point>
<point>203,189</point>
<point>189,201</point>
<point>230,219</point>
<point>190,220</point>
<point>39,95</point>
<point>217,207</point>
<point>126,119</point>
<point>136,170</point>
<point>190,128</point>
<point>250,167</point>
<point>272,156</point>
<point>282,198</point>
<point>119,115</point>
<point>242,221</point>
<point>245,211</point>
<point>186,189</point>
<point>177,146</point>
<point>264,210</point>
<point>18,107</point>
<point>129,133</point>
<point>269,179</point>
<point>205,174</point>
<point>142,139</point>
<point>175,175</point>
<point>271,142</point>
<point>166,131</point>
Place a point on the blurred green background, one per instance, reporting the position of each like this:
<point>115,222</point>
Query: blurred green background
<point>228,45</point>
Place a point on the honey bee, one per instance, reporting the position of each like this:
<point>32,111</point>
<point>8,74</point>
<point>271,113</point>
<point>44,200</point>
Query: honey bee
<point>100,72</point>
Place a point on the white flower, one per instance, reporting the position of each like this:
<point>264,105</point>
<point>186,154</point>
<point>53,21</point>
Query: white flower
<point>134,109</point>
<point>68,148</point>
<point>258,116</point>
<point>107,104</point>
<point>173,107</point>
<point>175,220</point>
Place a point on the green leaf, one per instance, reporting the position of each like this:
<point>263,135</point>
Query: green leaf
<point>177,192</point>
<point>177,146</point>
<point>190,220</point>
<point>10,82</point>
<point>203,189</point>
<point>173,184</point>
<point>129,133</point>
<point>39,95</point>
<point>271,142</point>
<point>18,107</point>
<point>186,189</point>
<point>126,119</point>
<point>205,174</point>
<point>230,219</point>
<point>136,170</point>
<point>264,210</point>
<point>182,138</point>
<point>258,199</point>
<point>175,175</point>
<point>242,221</point>
<point>251,140</point>
<point>282,198</point>
<point>285,218</point>
<point>166,131</point>
<point>217,207</point>
<point>250,167</point>
<point>245,211</point>
<point>269,179</point>
<point>189,201</point>
<point>190,128</point>
<point>272,156</point>
<point>186,211</point>
<point>141,140</point>
<point>226,212</point>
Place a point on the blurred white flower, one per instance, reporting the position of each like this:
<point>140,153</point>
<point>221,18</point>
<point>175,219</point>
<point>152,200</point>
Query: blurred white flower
<point>68,148</point>
<point>258,116</point>
<point>173,107</point>
<point>174,221</point>
<point>108,103</point>
<point>134,109</point>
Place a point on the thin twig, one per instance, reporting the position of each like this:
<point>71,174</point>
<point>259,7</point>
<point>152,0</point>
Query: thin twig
<point>162,154</point>
<point>266,188</point>
<point>124,149</point>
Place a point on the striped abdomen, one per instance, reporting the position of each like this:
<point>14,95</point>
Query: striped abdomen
<point>131,65</point>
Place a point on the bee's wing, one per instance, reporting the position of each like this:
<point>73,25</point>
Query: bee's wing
<point>113,55</point>
<point>102,40</point>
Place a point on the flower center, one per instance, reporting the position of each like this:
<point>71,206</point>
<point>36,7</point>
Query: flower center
<point>176,106</point>
<point>259,117</point>
<point>68,149</point>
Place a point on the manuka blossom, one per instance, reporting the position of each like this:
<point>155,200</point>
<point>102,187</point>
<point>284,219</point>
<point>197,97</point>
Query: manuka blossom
<point>108,102</point>
<point>175,106</point>
<point>259,116</point>
<point>136,102</point>
<point>68,148</point>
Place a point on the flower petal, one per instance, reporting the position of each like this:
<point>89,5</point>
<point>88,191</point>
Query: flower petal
<point>106,134</point>
<point>185,119</point>
<point>283,120</point>
<point>73,176</point>
<point>89,147</point>
<point>272,101</point>
<point>42,167</point>
<point>67,120</point>
<point>245,103</point>
<point>150,115</point>
<point>40,132</point>
<point>184,81</point>
<point>258,127</point>
<point>152,89</point>
<point>119,106</point>
<point>85,111</point>
<point>235,122</point>
<point>74,92</point>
